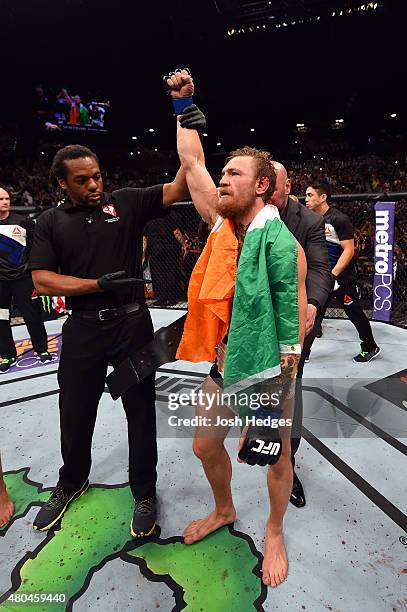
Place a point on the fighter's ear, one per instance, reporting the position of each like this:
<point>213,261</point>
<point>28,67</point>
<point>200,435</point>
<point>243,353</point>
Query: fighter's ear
<point>263,183</point>
<point>62,183</point>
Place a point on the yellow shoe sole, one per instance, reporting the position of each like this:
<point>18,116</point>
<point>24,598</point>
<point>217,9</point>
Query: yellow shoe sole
<point>141,534</point>
<point>75,497</point>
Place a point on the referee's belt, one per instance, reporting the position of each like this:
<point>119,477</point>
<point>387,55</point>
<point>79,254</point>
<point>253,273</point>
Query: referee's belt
<point>107,314</point>
<point>162,349</point>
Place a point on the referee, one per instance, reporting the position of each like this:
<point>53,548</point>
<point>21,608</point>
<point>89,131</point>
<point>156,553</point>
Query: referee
<point>90,249</point>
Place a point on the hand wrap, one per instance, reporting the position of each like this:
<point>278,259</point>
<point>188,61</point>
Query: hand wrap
<point>179,104</point>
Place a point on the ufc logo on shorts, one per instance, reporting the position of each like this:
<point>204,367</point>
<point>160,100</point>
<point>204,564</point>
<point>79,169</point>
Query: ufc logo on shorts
<point>273,448</point>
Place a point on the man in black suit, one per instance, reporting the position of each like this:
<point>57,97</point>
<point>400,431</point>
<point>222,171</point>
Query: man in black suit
<point>309,230</point>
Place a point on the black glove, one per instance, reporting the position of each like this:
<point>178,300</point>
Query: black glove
<point>262,444</point>
<point>193,119</point>
<point>117,280</point>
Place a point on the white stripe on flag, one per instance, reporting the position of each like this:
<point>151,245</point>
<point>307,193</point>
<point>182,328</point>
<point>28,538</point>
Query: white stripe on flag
<point>293,349</point>
<point>251,380</point>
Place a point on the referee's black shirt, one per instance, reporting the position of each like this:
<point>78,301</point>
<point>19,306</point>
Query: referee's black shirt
<point>88,242</point>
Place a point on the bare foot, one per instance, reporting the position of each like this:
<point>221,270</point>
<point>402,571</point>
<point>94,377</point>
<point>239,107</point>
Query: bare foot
<point>197,530</point>
<point>6,508</point>
<point>275,564</point>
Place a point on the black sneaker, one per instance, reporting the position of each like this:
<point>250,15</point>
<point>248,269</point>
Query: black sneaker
<point>297,494</point>
<point>44,357</point>
<point>366,356</point>
<point>144,518</point>
<point>55,507</point>
<point>6,363</point>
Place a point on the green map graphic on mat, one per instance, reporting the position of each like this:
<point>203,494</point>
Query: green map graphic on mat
<point>215,574</point>
<point>219,571</point>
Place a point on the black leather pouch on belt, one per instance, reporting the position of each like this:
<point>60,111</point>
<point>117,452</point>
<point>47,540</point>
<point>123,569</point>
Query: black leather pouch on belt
<point>162,349</point>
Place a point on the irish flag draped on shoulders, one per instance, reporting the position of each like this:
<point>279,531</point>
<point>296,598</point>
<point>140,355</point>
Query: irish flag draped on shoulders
<point>254,301</point>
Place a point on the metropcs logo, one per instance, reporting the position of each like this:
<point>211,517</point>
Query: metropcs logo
<point>382,242</point>
<point>383,278</point>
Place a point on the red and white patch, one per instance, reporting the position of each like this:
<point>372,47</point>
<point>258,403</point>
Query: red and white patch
<point>109,209</point>
<point>17,231</point>
<point>347,300</point>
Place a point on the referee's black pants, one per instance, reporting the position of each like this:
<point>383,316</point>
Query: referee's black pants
<point>87,349</point>
<point>347,296</point>
<point>298,408</point>
<point>19,292</point>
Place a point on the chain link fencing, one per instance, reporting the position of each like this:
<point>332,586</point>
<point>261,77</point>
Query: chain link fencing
<point>362,216</point>
<point>171,274</point>
<point>172,246</point>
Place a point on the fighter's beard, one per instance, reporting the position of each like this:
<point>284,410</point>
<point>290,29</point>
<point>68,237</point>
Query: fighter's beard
<point>231,210</point>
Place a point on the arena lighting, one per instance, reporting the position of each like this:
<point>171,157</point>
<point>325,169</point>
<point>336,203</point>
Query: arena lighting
<point>218,144</point>
<point>134,137</point>
<point>138,152</point>
<point>293,21</point>
<point>252,130</point>
<point>300,124</point>
<point>393,115</point>
<point>156,150</point>
<point>315,156</point>
<point>151,130</point>
<point>42,153</point>
<point>131,153</point>
<point>339,120</point>
<point>204,134</point>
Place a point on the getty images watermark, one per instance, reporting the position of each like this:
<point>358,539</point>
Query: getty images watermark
<point>246,401</point>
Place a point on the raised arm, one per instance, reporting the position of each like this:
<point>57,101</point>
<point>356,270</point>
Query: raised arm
<point>203,191</point>
<point>177,190</point>
<point>200,183</point>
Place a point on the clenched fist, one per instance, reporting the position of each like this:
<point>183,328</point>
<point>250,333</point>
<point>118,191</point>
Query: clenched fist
<point>179,84</point>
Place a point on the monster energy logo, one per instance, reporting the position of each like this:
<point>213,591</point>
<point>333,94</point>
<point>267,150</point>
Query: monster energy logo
<point>46,303</point>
